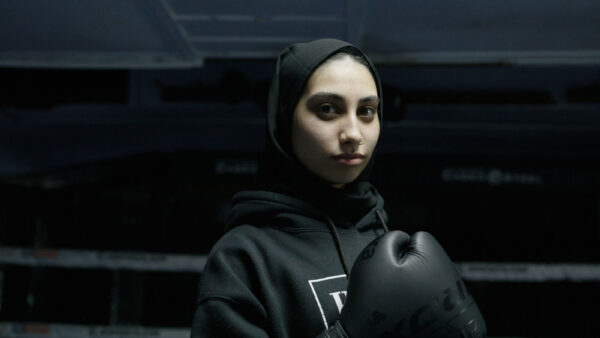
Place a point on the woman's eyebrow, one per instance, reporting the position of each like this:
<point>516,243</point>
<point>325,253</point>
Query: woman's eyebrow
<point>326,96</point>
<point>337,97</point>
<point>369,99</point>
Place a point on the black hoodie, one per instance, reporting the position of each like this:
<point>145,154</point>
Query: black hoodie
<point>281,268</point>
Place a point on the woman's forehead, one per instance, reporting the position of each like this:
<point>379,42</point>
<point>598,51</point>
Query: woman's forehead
<point>343,75</point>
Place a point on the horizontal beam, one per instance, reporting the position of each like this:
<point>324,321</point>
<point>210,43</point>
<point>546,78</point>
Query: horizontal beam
<point>55,330</point>
<point>147,261</point>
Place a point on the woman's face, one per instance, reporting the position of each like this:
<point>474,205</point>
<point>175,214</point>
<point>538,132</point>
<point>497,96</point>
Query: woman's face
<point>335,126</point>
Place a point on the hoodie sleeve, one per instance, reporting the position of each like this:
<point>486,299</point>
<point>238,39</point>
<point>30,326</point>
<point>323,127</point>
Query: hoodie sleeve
<point>228,304</point>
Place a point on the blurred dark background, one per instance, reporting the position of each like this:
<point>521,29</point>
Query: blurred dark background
<point>127,125</point>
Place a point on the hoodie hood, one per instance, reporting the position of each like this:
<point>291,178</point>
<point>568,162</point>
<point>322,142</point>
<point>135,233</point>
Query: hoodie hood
<point>268,208</point>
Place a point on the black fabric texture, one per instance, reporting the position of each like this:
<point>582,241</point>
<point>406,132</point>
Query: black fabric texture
<point>276,272</point>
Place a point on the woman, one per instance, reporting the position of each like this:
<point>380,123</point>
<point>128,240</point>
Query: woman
<point>281,268</point>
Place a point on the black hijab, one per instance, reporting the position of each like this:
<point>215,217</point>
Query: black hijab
<point>280,170</point>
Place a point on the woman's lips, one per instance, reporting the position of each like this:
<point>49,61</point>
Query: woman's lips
<point>349,159</point>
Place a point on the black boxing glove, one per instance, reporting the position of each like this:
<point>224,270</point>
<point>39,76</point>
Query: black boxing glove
<point>402,286</point>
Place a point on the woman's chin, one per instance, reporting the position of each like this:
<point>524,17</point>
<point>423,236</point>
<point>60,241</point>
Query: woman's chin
<point>341,183</point>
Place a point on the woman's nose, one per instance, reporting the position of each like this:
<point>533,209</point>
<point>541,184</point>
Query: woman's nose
<point>350,133</point>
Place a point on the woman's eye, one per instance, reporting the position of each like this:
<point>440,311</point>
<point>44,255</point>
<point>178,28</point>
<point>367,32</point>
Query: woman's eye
<point>367,112</point>
<point>326,109</point>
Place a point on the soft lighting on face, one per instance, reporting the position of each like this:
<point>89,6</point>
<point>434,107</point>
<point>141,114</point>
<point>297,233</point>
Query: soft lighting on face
<point>335,126</point>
